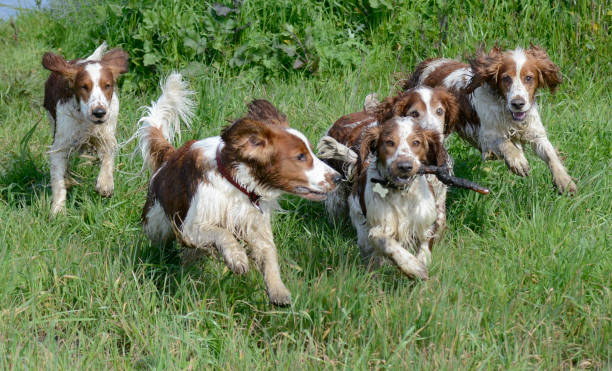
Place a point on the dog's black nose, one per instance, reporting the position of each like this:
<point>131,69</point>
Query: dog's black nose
<point>99,112</point>
<point>517,103</point>
<point>405,166</point>
<point>337,179</point>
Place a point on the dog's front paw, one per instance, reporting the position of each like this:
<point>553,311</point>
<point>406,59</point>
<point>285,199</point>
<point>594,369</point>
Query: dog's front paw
<point>105,188</point>
<point>236,260</point>
<point>416,269</point>
<point>518,165</point>
<point>565,185</point>
<point>279,295</point>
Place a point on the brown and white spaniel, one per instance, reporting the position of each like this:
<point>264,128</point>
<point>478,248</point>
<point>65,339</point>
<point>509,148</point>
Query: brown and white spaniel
<point>83,106</point>
<point>216,194</point>
<point>393,208</point>
<point>498,109</point>
<point>433,109</point>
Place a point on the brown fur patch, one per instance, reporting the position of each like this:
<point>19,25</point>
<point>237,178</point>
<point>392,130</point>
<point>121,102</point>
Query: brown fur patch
<point>159,148</point>
<point>175,184</point>
<point>549,73</point>
<point>262,110</point>
<point>437,76</point>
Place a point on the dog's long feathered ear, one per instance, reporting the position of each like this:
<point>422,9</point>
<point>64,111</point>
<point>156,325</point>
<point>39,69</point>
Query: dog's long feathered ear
<point>436,153</point>
<point>58,64</point>
<point>249,140</point>
<point>117,60</point>
<point>451,109</point>
<point>368,145</point>
<point>262,110</point>
<point>549,73</point>
<point>390,107</point>
<point>485,67</point>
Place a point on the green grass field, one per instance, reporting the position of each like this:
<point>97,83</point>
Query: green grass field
<point>521,280</point>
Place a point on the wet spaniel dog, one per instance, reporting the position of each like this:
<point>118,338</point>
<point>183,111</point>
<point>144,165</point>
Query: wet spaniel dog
<point>433,109</point>
<point>393,208</point>
<point>498,109</point>
<point>217,195</point>
<point>82,103</point>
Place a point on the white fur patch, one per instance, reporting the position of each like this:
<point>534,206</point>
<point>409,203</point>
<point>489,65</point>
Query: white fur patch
<point>157,226</point>
<point>405,129</point>
<point>432,66</point>
<point>458,79</point>
<point>518,89</point>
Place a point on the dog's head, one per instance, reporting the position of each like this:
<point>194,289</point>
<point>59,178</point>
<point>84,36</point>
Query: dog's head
<point>91,81</point>
<point>515,75</point>
<point>432,108</point>
<point>401,147</point>
<point>275,155</point>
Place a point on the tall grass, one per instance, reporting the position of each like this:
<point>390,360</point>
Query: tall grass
<point>521,280</point>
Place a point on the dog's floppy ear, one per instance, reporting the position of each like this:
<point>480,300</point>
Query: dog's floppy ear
<point>451,109</point>
<point>549,74</point>
<point>436,153</point>
<point>117,60</point>
<point>386,109</point>
<point>368,145</point>
<point>262,110</point>
<point>58,64</point>
<point>249,140</point>
<point>485,67</point>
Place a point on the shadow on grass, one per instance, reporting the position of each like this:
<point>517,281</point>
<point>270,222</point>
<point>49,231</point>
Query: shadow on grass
<point>21,179</point>
<point>460,202</point>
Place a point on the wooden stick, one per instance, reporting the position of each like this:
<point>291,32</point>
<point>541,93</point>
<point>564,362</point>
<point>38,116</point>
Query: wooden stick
<point>443,174</point>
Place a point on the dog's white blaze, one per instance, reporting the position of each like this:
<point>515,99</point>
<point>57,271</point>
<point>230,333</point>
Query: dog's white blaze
<point>97,99</point>
<point>319,171</point>
<point>518,90</point>
<point>431,120</point>
<point>405,126</point>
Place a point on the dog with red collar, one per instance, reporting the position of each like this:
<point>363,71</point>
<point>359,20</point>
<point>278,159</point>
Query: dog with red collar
<point>217,195</point>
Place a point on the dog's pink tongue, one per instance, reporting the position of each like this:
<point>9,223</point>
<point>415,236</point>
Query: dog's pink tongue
<point>519,115</point>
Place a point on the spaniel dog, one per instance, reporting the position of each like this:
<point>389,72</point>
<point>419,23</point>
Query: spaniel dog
<point>433,109</point>
<point>497,100</point>
<point>83,106</point>
<point>217,195</point>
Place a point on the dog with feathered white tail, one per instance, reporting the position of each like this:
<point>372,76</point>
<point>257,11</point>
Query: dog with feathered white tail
<point>217,195</point>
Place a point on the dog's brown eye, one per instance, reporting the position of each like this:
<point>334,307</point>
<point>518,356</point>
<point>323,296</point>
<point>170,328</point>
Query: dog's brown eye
<point>528,78</point>
<point>390,143</point>
<point>506,79</point>
<point>107,86</point>
<point>414,113</point>
<point>416,143</point>
<point>440,111</point>
<point>301,157</point>
<point>84,87</point>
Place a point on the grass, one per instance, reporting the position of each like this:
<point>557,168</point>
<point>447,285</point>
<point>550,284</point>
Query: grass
<point>521,280</point>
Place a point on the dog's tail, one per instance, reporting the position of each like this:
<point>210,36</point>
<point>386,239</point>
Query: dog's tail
<point>163,120</point>
<point>330,149</point>
<point>98,53</point>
